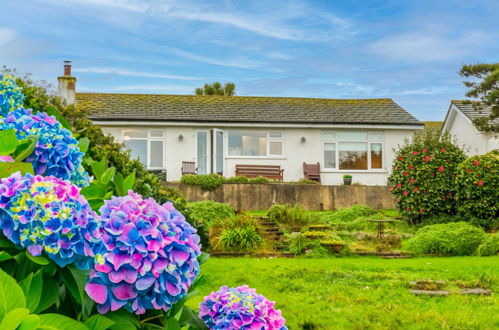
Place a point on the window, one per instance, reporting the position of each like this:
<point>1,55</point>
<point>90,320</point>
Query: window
<point>350,150</point>
<point>148,146</point>
<point>255,143</point>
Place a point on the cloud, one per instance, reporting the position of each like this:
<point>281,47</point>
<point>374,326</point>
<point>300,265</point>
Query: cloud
<point>239,62</point>
<point>428,45</point>
<point>130,73</point>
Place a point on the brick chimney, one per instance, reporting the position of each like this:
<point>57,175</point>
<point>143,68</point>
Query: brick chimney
<point>66,87</point>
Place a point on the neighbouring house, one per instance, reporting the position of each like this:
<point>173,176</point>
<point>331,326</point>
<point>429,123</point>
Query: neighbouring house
<point>459,123</point>
<point>345,136</point>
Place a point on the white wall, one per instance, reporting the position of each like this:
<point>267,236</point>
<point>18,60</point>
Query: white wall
<point>295,153</point>
<point>467,135</point>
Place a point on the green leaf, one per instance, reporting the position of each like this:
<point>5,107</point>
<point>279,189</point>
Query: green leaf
<point>6,169</point>
<point>13,318</point>
<point>128,183</point>
<point>108,175</point>
<point>32,287</point>
<point>31,322</point>
<point>61,119</point>
<point>5,242</point>
<point>98,168</point>
<point>172,324</point>
<point>99,322</point>
<point>94,191</point>
<point>118,184</point>
<point>11,294</point>
<point>4,256</point>
<point>8,142</point>
<point>25,149</point>
<point>83,143</point>
<point>40,260</point>
<point>50,294</point>
<point>124,320</point>
<point>188,317</point>
<point>203,258</point>
<point>61,322</point>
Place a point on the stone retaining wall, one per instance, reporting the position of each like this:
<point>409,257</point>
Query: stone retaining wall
<point>309,196</point>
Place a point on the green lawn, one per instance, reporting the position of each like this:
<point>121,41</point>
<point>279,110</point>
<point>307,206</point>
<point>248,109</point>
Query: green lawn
<point>363,292</point>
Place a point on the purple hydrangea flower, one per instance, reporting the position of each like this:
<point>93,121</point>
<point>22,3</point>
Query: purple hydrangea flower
<point>56,152</point>
<point>149,256</point>
<point>240,308</point>
<point>48,214</point>
<point>11,96</point>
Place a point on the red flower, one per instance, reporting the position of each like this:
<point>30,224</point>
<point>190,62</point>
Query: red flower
<point>480,183</point>
<point>406,193</point>
<point>450,194</point>
<point>416,189</point>
<point>441,169</point>
<point>444,197</point>
<point>415,153</point>
<point>425,150</point>
<point>399,185</point>
<point>427,159</point>
<point>443,149</point>
<point>411,167</point>
<point>400,158</point>
<point>405,173</point>
<point>412,180</point>
<point>422,210</point>
<point>392,189</point>
<point>433,174</point>
<point>476,162</point>
<point>408,209</point>
<point>424,191</point>
<point>468,170</point>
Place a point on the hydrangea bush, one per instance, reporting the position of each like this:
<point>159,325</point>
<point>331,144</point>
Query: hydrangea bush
<point>240,308</point>
<point>477,184</point>
<point>48,214</point>
<point>56,152</point>
<point>423,172</point>
<point>148,258</point>
<point>11,96</point>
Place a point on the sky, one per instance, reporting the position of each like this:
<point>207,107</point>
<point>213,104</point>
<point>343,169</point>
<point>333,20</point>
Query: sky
<point>410,51</point>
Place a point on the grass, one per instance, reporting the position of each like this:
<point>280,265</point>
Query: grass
<point>364,293</point>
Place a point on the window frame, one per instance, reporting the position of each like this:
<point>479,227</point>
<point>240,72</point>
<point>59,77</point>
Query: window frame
<point>268,139</point>
<point>149,138</point>
<point>337,141</point>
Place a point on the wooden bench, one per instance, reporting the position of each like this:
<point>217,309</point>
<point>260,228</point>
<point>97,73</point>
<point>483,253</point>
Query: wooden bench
<point>268,171</point>
<point>312,171</point>
<point>189,168</point>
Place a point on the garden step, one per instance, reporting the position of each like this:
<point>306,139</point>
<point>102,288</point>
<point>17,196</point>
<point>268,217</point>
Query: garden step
<point>267,223</point>
<point>476,291</point>
<point>430,292</point>
<point>271,229</point>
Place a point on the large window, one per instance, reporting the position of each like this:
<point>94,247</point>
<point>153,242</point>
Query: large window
<point>255,143</point>
<point>146,145</point>
<point>350,150</point>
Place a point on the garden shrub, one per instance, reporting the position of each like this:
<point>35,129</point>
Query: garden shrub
<point>477,184</point>
<point>459,238</point>
<point>347,214</point>
<point>237,179</point>
<point>441,218</point>
<point>240,239</point>
<point>204,214</point>
<point>490,246</point>
<point>422,178</point>
<point>207,182</point>
<point>290,216</point>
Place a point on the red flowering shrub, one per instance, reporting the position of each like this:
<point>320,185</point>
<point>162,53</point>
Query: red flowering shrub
<point>422,177</point>
<point>477,184</point>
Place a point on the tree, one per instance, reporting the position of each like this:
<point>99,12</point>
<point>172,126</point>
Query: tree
<point>485,87</point>
<point>216,88</point>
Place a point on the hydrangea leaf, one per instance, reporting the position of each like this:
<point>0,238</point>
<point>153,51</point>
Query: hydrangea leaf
<point>8,142</point>
<point>14,318</point>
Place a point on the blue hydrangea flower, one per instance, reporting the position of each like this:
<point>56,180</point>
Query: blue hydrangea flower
<point>11,96</point>
<point>148,259</point>
<point>48,214</point>
<point>240,308</point>
<point>56,153</point>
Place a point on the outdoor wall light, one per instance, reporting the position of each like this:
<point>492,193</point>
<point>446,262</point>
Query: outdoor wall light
<point>303,139</point>
<point>181,137</point>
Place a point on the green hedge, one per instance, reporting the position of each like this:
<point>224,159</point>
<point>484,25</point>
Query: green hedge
<point>459,238</point>
<point>490,246</point>
<point>477,184</point>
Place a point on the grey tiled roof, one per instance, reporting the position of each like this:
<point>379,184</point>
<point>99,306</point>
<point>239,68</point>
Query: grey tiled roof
<point>473,112</point>
<point>241,109</point>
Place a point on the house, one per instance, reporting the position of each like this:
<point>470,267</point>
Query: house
<point>345,136</point>
<point>459,123</point>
